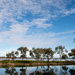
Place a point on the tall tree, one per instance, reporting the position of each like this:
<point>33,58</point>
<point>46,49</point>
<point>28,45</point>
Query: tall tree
<point>12,55</point>
<point>72,53</point>
<point>35,53</point>
<point>48,53</point>
<point>8,55</point>
<point>60,50</point>
<point>23,51</point>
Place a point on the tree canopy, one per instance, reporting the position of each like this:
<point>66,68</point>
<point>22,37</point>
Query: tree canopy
<point>60,50</point>
<point>23,51</point>
<point>72,53</point>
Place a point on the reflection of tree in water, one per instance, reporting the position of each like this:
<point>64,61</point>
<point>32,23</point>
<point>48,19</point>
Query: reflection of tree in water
<point>11,71</point>
<point>64,70</point>
<point>72,71</point>
<point>23,71</point>
<point>36,73</point>
<point>45,71</point>
<point>49,70</point>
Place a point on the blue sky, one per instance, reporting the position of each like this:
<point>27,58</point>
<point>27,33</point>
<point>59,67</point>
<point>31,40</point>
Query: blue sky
<point>36,23</point>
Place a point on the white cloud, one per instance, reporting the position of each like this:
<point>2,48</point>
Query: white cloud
<point>16,32</point>
<point>12,10</point>
<point>18,36</point>
<point>18,29</point>
<point>40,23</point>
<point>71,11</point>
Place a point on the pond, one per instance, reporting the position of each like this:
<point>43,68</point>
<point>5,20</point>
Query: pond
<point>54,59</point>
<point>39,70</point>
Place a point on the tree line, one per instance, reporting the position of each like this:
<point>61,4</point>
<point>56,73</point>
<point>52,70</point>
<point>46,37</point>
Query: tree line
<point>41,53</point>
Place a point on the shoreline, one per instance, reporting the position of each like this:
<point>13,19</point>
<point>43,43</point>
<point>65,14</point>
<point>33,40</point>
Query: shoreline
<point>29,63</point>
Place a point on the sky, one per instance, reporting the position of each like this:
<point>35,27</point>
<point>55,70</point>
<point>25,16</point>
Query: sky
<point>36,23</point>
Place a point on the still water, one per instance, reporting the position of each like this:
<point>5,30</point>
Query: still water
<point>69,59</point>
<point>39,70</point>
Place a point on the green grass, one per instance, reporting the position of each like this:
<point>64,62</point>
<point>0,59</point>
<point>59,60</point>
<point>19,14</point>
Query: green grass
<point>19,61</point>
<point>31,61</point>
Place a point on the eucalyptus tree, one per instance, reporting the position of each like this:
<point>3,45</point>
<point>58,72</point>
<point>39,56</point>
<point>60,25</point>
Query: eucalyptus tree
<point>23,51</point>
<point>17,53</point>
<point>35,53</point>
<point>48,53</point>
<point>72,53</point>
<point>60,50</point>
<point>12,55</point>
<point>8,55</point>
<point>42,52</point>
<point>64,56</point>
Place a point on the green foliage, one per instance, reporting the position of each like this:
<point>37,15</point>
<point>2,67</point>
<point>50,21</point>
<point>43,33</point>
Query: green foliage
<point>72,53</point>
<point>31,54</point>
<point>23,51</point>
<point>8,55</point>
<point>48,53</point>
<point>60,50</point>
<point>35,53</point>
<point>64,56</point>
<point>41,53</point>
<point>12,54</point>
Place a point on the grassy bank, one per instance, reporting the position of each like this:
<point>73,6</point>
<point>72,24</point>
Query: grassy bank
<point>34,63</point>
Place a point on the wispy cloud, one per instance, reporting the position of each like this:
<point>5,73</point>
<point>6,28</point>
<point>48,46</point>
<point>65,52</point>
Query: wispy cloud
<point>12,10</point>
<point>18,37</point>
<point>14,24</point>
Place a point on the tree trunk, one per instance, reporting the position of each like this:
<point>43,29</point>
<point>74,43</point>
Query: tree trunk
<point>48,59</point>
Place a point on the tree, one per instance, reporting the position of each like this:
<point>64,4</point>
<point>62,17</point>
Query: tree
<point>23,51</point>
<point>48,53</point>
<point>8,55</point>
<point>12,55</point>
<point>72,53</point>
<point>64,56</point>
<point>35,53</point>
<point>60,50</point>
<point>17,53</point>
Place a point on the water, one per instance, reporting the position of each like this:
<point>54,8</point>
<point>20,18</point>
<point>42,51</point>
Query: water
<point>39,70</point>
<point>40,59</point>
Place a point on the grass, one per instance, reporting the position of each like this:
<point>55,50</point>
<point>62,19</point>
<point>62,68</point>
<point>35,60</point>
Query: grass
<point>22,61</point>
<point>32,61</point>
